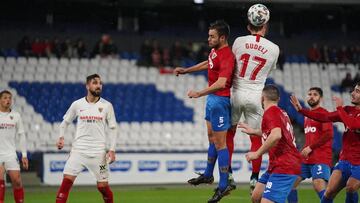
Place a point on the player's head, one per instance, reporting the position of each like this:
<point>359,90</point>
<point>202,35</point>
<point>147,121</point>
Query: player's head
<point>5,99</point>
<point>314,96</point>
<point>94,85</point>
<point>219,32</point>
<point>271,94</point>
<point>258,18</point>
<point>355,94</point>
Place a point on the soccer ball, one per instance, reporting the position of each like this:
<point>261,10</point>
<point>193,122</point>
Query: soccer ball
<point>258,15</point>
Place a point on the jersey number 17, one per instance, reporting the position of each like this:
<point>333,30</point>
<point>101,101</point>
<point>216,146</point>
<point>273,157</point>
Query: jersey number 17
<point>245,61</point>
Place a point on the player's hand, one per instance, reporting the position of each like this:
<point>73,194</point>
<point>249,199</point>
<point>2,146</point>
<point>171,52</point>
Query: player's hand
<point>193,94</point>
<point>251,156</point>
<point>338,101</point>
<point>246,128</point>
<point>295,102</point>
<point>110,156</point>
<point>179,71</point>
<point>25,163</point>
<point>60,143</point>
<point>306,151</point>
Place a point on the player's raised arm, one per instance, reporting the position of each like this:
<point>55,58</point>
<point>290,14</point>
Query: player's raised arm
<point>350,122</point>
<point>111,121</point>
<point>318,116</point>
<point>195,68</point>
<point>295,102</point>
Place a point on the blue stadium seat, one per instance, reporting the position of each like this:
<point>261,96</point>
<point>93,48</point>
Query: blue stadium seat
<point>132,102</point>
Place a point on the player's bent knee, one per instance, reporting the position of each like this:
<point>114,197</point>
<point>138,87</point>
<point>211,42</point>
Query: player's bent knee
<point>16,183</point>
<point>70,177</point>
<point>351,188</point>
<point>256,197</point>
<point>102,184</point>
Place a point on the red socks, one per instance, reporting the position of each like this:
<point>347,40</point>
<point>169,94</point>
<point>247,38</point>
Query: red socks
<point>230,142</point>
<point>2,191</point>
<point>256,143</point>
<point>64,190</point>
<point>18,195</point>
<point>107,194</point>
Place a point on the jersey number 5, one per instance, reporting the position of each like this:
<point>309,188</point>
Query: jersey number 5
<point>245,61</point>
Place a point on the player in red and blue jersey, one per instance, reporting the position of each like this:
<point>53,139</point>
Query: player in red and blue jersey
<point>346,172</point>
<point>284,159</point>
<point>317,151</point>
<point>220,66</point>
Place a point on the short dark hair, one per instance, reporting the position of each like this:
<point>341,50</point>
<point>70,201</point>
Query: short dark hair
<point>221,27</point>
<point>318,89</point>
<point>90,77</point>
<point>5,92</point>
<point>255,28</point>
<point>271,92</point>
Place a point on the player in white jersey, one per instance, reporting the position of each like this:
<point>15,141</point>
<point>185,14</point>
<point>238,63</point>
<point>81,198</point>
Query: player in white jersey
<point>93,113</point>
<point>11,126</point>
<point>255,58</point>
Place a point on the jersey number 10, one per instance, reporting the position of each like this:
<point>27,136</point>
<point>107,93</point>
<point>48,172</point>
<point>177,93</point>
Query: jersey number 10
<point>245,61</point>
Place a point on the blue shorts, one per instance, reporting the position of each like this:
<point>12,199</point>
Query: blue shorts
<point>315,171</point>
<point>348,170</point>
<point>218,112</point>
<point>277,186</point>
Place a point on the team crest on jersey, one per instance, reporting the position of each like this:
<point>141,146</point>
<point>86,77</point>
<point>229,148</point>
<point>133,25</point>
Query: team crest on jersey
<point>11,117</point>
<point>100,110</point>
<point>214,55</point>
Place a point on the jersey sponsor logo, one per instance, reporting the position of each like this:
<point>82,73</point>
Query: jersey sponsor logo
<point>236,165</point>
<point>57,166</point>
<point>121,166</point>
<point>145,165</point>
<point>91,119</point>
<point>310,129</point>
<point>176,165</point>
<point>200,165</point>
<point>5,126</point>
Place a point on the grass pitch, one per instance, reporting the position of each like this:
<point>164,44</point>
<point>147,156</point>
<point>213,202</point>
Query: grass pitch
<point>152,194</point>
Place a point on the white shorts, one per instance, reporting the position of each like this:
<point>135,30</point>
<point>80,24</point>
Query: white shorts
<point>10,162</point>
<point>96,165</point>
<point>246,103</point>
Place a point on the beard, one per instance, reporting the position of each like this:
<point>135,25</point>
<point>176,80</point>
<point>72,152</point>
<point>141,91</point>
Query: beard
<point>355,103</point>
<point>95,93</point>
<point>215,45</point>
<point>313,103</point>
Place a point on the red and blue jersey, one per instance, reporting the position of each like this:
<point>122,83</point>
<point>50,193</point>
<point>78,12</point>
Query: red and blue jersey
<point>284,158</point>
<point>221,63</point>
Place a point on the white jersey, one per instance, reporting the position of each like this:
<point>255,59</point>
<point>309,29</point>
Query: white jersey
<point>255,58</point>
<point>92,119</point>
<point>11,125</point>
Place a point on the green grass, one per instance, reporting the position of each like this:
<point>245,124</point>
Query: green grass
<point>151,194</point>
